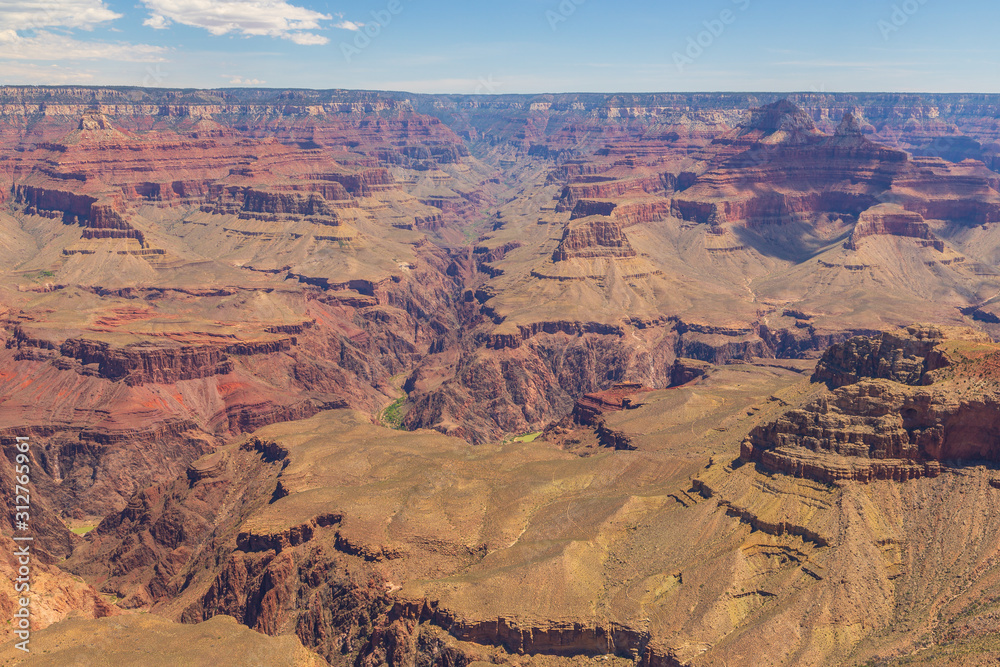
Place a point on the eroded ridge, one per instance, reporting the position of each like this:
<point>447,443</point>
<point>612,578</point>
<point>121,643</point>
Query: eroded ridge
<point>903,405</point>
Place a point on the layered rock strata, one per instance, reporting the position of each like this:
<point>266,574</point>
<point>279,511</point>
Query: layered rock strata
<point>904,405</point>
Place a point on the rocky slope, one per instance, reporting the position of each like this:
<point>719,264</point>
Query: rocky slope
<point>384,547</point>
<point>298,530</point>
<point>133,638</point>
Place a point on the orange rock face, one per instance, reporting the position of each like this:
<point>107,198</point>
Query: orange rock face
<point>789,170</point>
<point>901,409</point>
<point>593,237</point>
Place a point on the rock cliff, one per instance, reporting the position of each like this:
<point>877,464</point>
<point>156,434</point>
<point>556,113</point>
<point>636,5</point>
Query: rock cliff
<point>592,237</point>
<point>904,405</point>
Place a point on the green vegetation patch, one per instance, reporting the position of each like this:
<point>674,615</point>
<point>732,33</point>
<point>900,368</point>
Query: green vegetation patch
<point>392,416</point>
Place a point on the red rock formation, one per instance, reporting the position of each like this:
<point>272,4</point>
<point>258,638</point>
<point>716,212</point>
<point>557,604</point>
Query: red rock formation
<point>910,424</point>
<point>687,370</point>
<point>589,411</point>
<point>567,638</point>
<point>488,255</point>
<point>39,199</point>
<point>587,207</point>
<point>782,118</point>
<point>905,356</point>
<point>590,407</point>
<point>576,192</point>
<point>640,212</point>
<point>785,174</point>
<point>287,205</point>
<point>361,184</point>
<point>144,363</point>
<point>593,237</point>
<point>892,220</point>
<point>499,341</point>
<point>627,213</point>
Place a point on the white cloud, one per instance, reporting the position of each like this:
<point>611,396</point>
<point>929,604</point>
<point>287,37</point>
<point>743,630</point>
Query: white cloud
<point>157,22</point>
<point>26,34</point>
<point>308,39</point>
<point>270,18</point>
<point>45,75</point>
<point>349,25</point>
<point>49,46</point>
<point>23,15</point>
<point>239,81</point>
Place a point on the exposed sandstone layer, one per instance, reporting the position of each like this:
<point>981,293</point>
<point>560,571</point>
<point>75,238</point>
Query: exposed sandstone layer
<point>591,406</point>
<point>784,174</point>
<point>151,640</point>
<point>904,406</point>
<point>571,433</point>
<point>889,220</point>
<point>592,237</point>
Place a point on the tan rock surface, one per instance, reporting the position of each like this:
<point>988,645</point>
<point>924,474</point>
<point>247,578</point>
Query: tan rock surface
<point>145,639</point>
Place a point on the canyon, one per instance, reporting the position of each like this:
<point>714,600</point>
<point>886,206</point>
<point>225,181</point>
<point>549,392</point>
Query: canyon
<point>408,379</point>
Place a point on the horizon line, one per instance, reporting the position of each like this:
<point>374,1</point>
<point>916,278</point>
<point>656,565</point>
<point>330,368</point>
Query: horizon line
<point>487,95</point>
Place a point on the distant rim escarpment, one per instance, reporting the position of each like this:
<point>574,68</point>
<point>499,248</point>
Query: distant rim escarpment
<point>50,100</point>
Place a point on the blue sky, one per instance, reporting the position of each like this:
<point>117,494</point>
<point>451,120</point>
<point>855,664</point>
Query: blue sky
<point>515,46</point>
